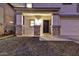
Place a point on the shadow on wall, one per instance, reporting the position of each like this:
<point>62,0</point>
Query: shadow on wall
<point>9,30</point>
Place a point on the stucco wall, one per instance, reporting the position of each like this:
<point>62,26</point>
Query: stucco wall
<point>9,17</point>
<point>18,19</point>
<point>6,16</point>
<point>1,20</point>
<point>64,9</point>
<point>29,31</point>
<point>68,9</point>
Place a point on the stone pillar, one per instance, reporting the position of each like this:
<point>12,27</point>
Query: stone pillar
<point>55,24</point>
<point>18,30</point>
<point>37,31</point>
<point>56,29</point>
<point>19,24</point>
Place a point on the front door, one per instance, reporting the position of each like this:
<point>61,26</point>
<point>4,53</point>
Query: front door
<point>45,26</point>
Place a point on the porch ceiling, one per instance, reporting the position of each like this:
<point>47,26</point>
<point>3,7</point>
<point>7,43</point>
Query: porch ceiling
<point>18,4</point>
<point>37,14</point>
<point>31,17</point>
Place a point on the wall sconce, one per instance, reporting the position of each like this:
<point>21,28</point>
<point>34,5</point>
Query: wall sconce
<point>37,21</point>
<point>11,22</point>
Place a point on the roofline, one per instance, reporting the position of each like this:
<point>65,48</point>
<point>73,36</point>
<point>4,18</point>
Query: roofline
<point>69,14</point>
<point>35,9</point>
<point>10,5</point>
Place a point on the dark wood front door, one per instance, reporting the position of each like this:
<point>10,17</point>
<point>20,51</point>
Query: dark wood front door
<point>45,26</point>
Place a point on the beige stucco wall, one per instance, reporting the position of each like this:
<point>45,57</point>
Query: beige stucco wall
<point>1,20</point>
<point>6,16</point>
<point>29,31</point>
<point>9,16</point>
<point>70,25</point>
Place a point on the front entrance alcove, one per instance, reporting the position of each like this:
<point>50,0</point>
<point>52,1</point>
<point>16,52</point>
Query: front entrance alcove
<point>37,24</point>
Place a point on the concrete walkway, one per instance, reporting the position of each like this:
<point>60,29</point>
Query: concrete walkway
<point>53,38</point>
<point>32,46</point>
<point>73,38</point>
<point>4,37</point>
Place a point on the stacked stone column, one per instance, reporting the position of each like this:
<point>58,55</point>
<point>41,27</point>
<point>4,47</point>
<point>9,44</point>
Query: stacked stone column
<point>19,24</point>
<point>55,24</point>
<point>37,31</point>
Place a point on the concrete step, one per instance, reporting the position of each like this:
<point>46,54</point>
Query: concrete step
<point>53,39</point>
<point>75,39</point>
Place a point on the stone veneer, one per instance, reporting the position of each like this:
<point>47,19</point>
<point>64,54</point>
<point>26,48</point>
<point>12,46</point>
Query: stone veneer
<point>19,30</point>
<point>37,31</point>
<point>56,30</point>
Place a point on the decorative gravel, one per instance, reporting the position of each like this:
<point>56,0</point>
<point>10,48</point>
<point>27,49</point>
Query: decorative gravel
<point>31,46</point>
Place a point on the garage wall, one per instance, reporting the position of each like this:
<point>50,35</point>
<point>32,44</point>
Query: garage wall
<point>69,26</point>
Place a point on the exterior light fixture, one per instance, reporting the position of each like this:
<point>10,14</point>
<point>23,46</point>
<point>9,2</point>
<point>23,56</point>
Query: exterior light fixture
<point>11,22</point>
<point>29,5</point>
<point>37,21</point>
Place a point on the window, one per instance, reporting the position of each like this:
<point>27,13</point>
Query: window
<point>67,3</point>
<point>32,23</point>
<point>35,22</point>
<point>29,5</point>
